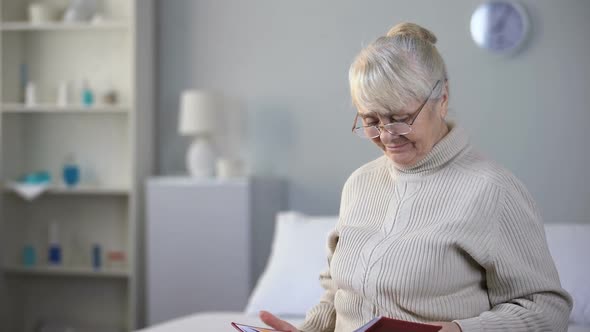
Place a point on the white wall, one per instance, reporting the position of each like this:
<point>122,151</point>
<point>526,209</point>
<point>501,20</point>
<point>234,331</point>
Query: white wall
<point>287,62</point>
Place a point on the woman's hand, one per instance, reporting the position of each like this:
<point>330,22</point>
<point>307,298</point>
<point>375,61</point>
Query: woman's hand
<point>276,323</point>
<point>281,325</point>
<point>447,326</point>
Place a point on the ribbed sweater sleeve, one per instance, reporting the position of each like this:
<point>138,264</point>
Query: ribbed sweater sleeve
<point>522,282</point>
<point>322,317</point>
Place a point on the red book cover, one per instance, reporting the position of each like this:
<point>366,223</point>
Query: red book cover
<point>385,324</point>
<point>248,328</point>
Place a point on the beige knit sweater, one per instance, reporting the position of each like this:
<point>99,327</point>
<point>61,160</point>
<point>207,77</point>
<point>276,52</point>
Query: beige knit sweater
<point>454,238</point>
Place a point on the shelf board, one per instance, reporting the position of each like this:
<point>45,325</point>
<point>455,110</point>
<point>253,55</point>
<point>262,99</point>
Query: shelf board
<point>49,108</point>
<point>61,26</point>
<point>81,190</point>
<point>67,271</point>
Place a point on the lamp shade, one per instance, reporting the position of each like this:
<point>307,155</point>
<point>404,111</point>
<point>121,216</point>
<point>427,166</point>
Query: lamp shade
<point>197,112</point>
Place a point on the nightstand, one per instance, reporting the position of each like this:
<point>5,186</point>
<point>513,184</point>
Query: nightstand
<point>207,242</point>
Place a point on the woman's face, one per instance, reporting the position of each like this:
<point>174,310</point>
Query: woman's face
<point>428,128</point>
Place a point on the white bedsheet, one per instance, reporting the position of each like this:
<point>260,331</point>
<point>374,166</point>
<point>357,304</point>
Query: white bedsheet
<point>220,322</point>
<point>213,322</point>
<point>577,328</point>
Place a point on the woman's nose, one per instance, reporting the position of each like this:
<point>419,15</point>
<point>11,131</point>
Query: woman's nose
<point>385,136</point>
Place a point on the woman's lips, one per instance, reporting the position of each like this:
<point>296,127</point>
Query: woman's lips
<point>397,148</point>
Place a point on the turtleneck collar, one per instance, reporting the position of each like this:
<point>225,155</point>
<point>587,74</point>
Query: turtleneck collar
<point>445,150</point>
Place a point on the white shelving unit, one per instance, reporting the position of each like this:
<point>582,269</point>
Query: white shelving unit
<point>49,108</point>
<point>26,26</point>
<point>81,190</point>
<point>67,271</point>
<point>113,146</point>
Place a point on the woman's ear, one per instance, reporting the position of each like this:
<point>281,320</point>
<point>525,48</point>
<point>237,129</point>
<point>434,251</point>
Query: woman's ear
<point>444,101</point>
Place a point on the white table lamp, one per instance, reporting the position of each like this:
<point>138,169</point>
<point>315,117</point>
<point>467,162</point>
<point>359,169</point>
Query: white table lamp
<point>197,119</point>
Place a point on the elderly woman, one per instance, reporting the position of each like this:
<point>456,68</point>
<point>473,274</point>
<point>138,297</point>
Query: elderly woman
<point>432,231</point>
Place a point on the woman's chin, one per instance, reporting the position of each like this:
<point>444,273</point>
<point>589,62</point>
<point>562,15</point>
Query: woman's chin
<point>404,159</point>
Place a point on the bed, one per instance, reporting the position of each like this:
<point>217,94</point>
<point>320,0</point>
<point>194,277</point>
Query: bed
<point>569,245</point>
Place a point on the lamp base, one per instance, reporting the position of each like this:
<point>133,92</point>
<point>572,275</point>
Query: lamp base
<point>229,168</point>
<point>200,158</point>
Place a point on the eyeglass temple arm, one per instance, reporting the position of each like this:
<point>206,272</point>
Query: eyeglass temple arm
<point>356,117</point>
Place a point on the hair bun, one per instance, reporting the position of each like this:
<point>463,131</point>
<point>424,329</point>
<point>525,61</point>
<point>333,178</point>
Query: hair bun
<point>411,30</point>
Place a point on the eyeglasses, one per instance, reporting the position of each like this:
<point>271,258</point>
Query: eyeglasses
<point>395,128</point>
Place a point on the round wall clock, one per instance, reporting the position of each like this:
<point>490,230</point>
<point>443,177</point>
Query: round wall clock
<point>500,26</point>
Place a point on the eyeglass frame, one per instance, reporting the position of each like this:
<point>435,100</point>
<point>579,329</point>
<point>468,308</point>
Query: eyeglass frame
<point>413,118</point>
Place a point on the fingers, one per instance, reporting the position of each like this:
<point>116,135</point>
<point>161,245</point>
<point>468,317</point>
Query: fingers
<point>275,322</point>
<point>441,324</point>
<point>447,327</point>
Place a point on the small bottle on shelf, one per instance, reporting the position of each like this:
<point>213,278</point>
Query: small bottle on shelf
<point>96,256</point>
<point>116,259</point>
<point>63,94</point>
<point>87,94</point>
<point>29,256</point>
<point>76,251</point>
<point>30,94</point>
<point>71,171</point>
<point>54,250</point>
<point>24,79</point>
<point>110,96</point>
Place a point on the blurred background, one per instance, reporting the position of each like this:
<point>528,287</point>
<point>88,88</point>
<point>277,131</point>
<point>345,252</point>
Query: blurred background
<point>148,145</point>
<point>288,63</point>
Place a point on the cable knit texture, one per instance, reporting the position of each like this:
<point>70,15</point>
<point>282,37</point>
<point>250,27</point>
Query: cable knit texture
<point>455,237</point>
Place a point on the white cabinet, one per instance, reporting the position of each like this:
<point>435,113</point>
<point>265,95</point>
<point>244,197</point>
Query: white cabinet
<point>112,141</point>
<point>207,242</point>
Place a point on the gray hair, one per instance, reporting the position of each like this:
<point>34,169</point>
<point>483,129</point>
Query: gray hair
<point>396,69</point>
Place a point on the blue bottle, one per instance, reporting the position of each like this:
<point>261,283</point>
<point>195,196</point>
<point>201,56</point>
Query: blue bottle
<point>96,257</point>
<point>54,250</point>
<point>71,172</point>
<point>54,254</point>
<point>71,175</point>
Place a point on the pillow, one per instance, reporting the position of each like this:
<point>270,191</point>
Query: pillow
<point>569,246</point>
<point>289,285</point>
